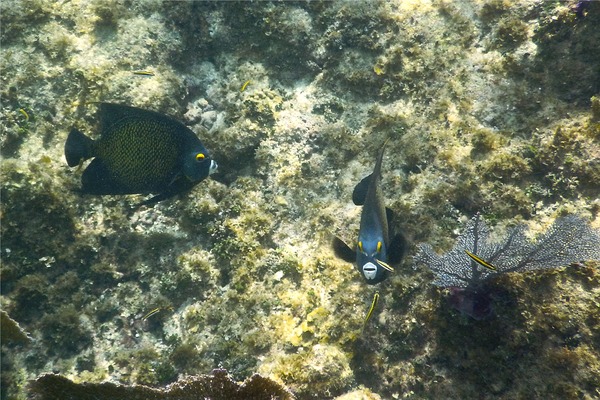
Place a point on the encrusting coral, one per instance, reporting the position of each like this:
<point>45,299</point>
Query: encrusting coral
<point>217,386</point>
<point>10,331</point>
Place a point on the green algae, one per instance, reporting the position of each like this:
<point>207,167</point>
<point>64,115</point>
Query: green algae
<point>491,106</point>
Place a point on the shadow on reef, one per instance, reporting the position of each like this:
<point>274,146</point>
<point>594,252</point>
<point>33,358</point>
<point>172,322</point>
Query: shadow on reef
<point>569,54</point>
<point>217,386</point>
<point>536,330</point>
<point>526,334</point>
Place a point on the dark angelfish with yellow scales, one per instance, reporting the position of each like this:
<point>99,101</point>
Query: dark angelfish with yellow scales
<point>139,152</point>
<point>377,248</point>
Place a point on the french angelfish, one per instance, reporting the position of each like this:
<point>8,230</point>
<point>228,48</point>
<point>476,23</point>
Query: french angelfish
<point>139,152</point>
<point>374,254</point>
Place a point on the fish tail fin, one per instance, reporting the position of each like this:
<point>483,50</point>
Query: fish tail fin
<point>78,147</point>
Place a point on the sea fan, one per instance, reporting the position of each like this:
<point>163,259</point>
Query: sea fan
<point>568,240</point>
<point>474,259</point>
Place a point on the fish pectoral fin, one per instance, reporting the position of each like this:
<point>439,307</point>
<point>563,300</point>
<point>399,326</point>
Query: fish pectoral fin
<point>343,251</point>
<point>360,191</point>
<point>175,178</point>
<point>481,261</point>
<point>384,265</point>
<point>397,249</point>
<point>389,214</point>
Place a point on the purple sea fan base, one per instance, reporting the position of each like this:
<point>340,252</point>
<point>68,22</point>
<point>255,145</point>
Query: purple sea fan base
<point>476,304</point>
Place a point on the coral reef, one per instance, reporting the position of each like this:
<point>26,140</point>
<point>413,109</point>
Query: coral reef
<point>214,387</point>
<point>11,332</point>
<point>490,106</point>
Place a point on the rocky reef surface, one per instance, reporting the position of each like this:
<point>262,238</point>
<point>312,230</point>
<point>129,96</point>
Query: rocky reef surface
<point>491,106</point>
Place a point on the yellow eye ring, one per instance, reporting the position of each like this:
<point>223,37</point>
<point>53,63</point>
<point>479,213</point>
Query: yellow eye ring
<point>199,156</point>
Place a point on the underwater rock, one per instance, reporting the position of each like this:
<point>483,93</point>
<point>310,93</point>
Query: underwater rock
<point>217,386</point>
<point>486,104</point>
<point>10,331</point>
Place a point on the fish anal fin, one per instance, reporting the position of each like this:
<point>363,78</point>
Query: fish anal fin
<point>97,179</point>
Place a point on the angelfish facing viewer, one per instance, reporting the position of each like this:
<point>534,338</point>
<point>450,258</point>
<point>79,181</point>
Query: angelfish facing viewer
<point>139,152</point>
<point>375,254</point>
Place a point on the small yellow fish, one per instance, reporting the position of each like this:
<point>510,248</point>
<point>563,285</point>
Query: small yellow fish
<point>143,73</point>
<point>372,308</point>
<point>480,261</point>
<point>156,311</point>
<point>151,313</point>
<point>384,265</point>
<point>24,113</point>
<point>244,86</point>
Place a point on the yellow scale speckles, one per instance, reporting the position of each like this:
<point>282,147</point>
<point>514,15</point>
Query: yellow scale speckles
<point>139,151</point>
<point>142,160</point>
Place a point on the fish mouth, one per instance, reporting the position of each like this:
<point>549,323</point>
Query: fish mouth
<point>213,167</point>
<point>369,270</point>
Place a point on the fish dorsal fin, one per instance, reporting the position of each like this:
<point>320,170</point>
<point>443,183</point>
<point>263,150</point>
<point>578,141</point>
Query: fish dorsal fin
<point>110,113</point>
<point>377,169</point>
<point>360,191</point>
<point>389,213</point>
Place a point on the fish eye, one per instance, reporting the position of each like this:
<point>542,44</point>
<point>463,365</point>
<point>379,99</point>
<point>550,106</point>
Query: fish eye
<point>360,247</point>
<point>199,156</point>
<point>378,247</point>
